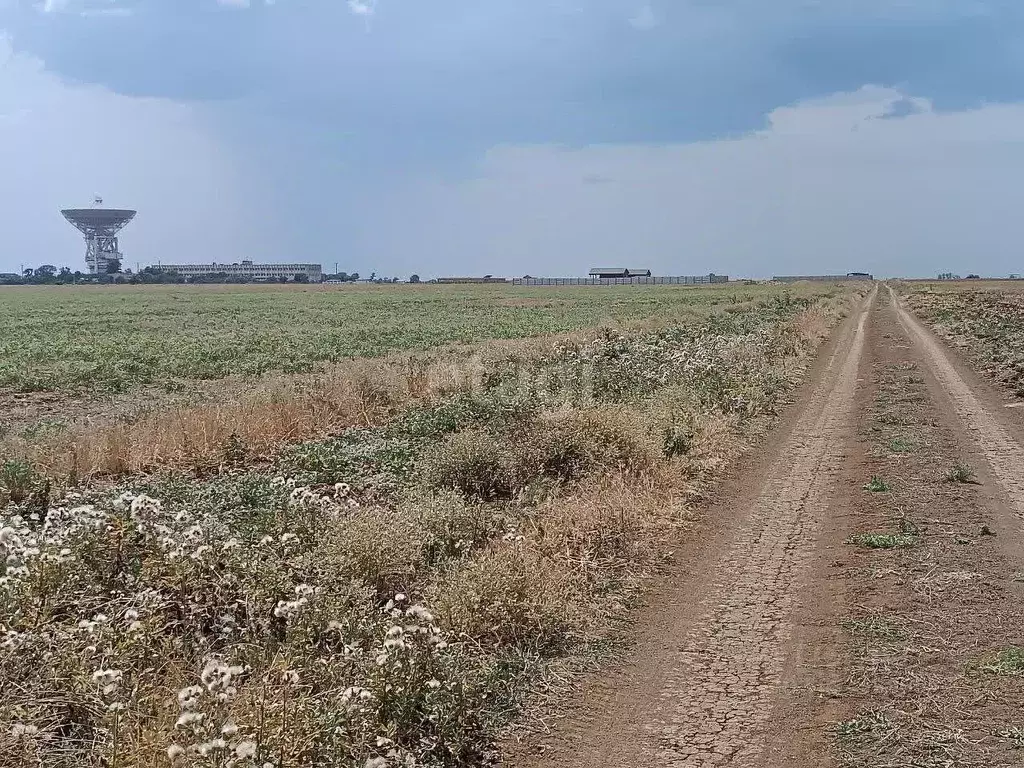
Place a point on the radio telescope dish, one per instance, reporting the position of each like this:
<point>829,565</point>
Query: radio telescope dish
<point>100,227</point>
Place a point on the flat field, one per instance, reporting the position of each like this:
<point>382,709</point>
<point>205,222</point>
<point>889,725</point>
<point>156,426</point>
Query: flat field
<point>984,320</point>
<point>388,589</point>
<point>112,339</point>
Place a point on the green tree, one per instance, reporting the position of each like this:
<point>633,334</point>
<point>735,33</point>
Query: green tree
<point>113,266</point>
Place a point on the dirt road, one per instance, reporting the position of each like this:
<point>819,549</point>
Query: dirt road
<point>750,652</point>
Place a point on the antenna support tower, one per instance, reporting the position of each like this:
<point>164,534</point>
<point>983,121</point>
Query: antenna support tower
<point>100,227</point>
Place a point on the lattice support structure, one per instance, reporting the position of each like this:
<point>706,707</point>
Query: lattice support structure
<point>100,227</point>
<point>100,250</point>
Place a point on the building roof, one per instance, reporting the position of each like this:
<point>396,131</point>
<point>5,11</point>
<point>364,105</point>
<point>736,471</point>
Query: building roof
<point>619,272</point>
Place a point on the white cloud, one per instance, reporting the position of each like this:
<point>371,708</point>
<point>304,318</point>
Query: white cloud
<point>362,7</point>
<point>85,7</point>
<point>234,3</point>
<point>827,186</point>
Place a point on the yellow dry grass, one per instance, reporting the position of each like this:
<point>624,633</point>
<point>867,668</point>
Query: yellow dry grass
<point>261,416</point>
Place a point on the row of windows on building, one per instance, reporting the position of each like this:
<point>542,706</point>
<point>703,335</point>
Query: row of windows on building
<point>314,272</point>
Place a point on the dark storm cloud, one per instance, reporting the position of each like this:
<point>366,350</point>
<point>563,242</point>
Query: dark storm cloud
<point>461,72</point>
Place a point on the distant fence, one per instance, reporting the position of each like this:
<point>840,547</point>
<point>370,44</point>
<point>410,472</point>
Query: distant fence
<point>820,278</point>
<point>470,280</point>
<point>680,280</point>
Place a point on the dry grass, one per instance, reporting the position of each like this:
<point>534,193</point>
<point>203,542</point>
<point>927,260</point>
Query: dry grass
<point>318,626</point>
<point>262,417</point>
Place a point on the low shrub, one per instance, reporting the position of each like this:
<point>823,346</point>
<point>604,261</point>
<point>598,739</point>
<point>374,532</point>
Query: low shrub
<point>392,549</point>
<point>562,446</point>
<point>472,462</point>
<point>509,597</point>
<point>17,479</point>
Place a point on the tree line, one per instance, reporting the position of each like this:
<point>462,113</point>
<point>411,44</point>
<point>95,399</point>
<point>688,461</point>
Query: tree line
<point>47,274</point>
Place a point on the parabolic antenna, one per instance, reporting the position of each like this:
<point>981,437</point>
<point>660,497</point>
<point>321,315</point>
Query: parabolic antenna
<point>100,227</point>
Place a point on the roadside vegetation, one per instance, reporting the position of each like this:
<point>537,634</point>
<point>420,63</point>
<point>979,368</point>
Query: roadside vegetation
<point>388,594</point>
<point>985,325</point>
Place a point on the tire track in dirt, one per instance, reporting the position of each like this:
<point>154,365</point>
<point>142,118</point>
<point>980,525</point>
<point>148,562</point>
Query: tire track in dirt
<point>916,621</point>
<point>1001,449</point>
<point>723,688</point>
<point>705,697</point>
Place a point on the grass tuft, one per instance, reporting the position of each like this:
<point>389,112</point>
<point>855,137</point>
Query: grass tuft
<point>876,627</point>
<point>961,473</point>
<point>883,540</point>
<point>877,485</point>
<point>1009,661</point>
<point>861,725</point>
<point>900,445</point>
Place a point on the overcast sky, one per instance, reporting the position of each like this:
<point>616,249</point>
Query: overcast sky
<point>742,137</point>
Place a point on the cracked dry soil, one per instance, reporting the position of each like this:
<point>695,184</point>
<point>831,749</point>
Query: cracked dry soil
<point>738,658</point>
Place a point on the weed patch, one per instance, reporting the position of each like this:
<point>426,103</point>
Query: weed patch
<point>961,473</point>
<point>862,725</point>
<point>876,485</point>
<point>1009,661</point>
<point>876,628</point>
<point>900,445</point>
<point>883,540</point>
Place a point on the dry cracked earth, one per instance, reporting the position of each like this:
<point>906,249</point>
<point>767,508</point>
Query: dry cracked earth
<point>854,597</point>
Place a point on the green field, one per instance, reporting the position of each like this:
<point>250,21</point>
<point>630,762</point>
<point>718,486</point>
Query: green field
<point>111,339</point>
<point>390,590</point>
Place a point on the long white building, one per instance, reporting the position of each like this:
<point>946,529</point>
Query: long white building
<point>313,272</point>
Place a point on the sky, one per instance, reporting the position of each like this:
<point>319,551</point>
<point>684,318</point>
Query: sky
<point>512,137</point>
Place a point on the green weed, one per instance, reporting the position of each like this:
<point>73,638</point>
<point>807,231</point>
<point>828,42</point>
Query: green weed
<point>961,473</point>
<point>876,627</point>
<point>863,724</point>
<point>17,479</point>
<point>1009,661</point>
<point>883,540</point>
<point>876,485</point>
<point>900,445</point>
